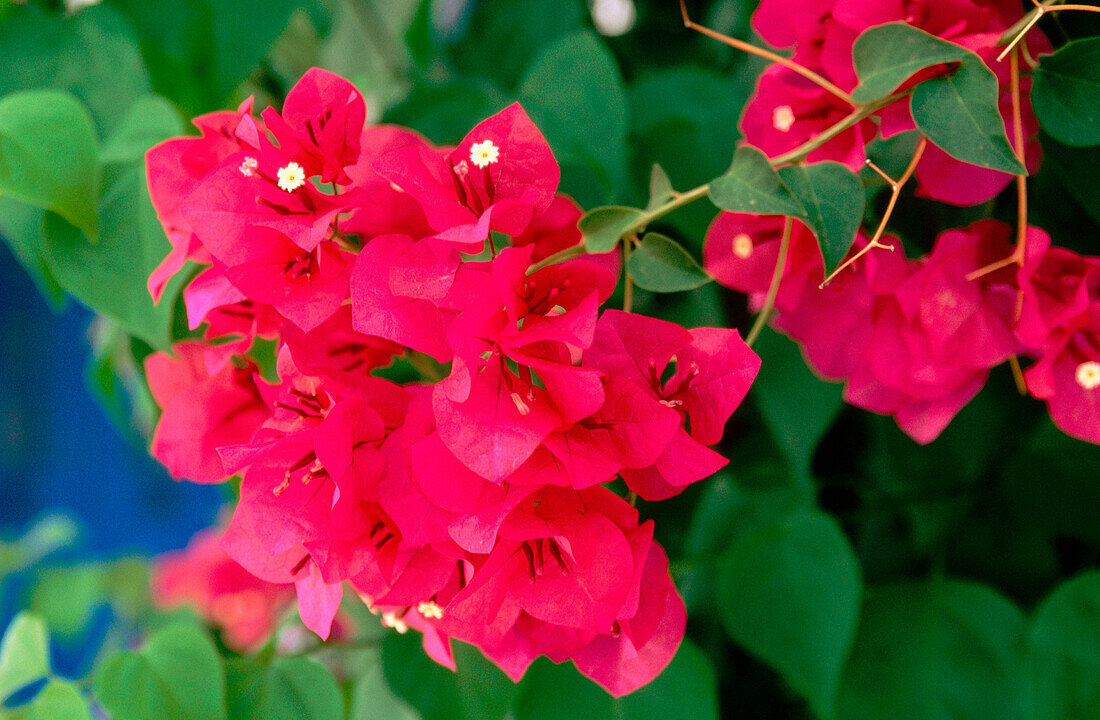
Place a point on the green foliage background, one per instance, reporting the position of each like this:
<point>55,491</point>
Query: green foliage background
<point>834,570</point>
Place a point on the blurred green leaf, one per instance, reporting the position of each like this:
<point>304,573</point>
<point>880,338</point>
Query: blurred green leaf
<point>285,687</point>
<point>751,185</point>
<point>887,55</point>
<point>149,120</point>
<point>958,113</point>
<point>47,535</point>
<point>67,596</point>
<point>684,691</point>
<point>1063,655</point>
<point>685,118</point>
<point>177,675</point>
<point>111,276</point>
<point>92,54</point>
<point>603,226</point>
<point>21,230</point>
<point>371,698</point>
<point>660,188</point>
<point>24,653</point>
<point>938,650</point>
<point>660,264</point>
<point>48,155</point>
<point>478,691</point>
<point>1052,483</point>
<point>833,198</point>
<point>503,36</point>
<point>1078,169</point>
<point>791,595</point>
<point>200,51</point>
<point>583,119</point>
<point>797,406</point>
<point>59,700</point>
<point>445,112</point>
<point>1066,92</point>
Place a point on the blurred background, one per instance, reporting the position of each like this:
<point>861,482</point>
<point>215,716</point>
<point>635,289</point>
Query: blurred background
<point>1002,507</point>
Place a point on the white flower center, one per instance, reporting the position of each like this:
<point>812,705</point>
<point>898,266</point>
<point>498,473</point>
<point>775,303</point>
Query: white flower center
<point>391,620</point>
<point>429,609</point>
<point>1088,375</point>
<point>291,177</point>
<point>248,166</point>
<point>742,246</point>
<point>782,118</point>
<point>484,153</point>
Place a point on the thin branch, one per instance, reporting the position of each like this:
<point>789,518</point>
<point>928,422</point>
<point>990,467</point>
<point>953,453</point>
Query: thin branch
<point>895,191</point>
<point>561,256</point>
<point>766,54</point>
<point>773,289</point>
<point>1020,29</point>
<point>628,284</point>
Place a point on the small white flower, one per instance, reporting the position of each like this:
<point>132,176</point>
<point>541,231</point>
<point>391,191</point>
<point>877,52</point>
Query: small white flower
<point>742,246</point>
<point>783,118</point>
<point>248,166</point>
<point>291,177</point>
<point>430,610</point>
<point>1088,375</point>
<point>484,153</point>
<point>391,620</point>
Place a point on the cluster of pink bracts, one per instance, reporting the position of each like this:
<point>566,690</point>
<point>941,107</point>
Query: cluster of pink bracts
<point>915,339</point>
<point>471,507</point>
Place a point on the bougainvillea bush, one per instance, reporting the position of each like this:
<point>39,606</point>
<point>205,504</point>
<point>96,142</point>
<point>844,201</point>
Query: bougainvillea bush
<point>579,360</point>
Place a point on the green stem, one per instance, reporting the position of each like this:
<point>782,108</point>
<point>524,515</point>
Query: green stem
<point>773,289</point>
<point>561,256</point>
<point>628,284</point>
<point>859,114</point>
<point>1028,19</point>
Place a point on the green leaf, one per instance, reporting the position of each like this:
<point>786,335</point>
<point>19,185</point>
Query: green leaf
<point>148,121</point>
<point>176,676</point>
<point>1066,93</point>
<point>584,119</point>
<point>958,114</point>
<point>791,596</point>
<point>833,198</point>
<point>938,650</point>
<point>24,653</point>
<point>797,406</point>
<point>286,687</point>
<point>48,155</point>
<point>752,186</point>
<point>684,691</point>
<point>887,55</point>
<point>603,226</point>
<point>660,264</point>
<point>660,188</point>
<point>21,229</point>
<point>66,597</point>
<point>91,53</point>
<point>1063,660</point>
<point>200,51</point>
<point>59,700</point>
<point>111,277</point>
<point>478,691</point>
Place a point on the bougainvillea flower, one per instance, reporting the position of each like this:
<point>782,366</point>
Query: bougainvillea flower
<point>500,176</point>
<point>244,607</point>
<point>1057,286</point>
<point>320,125</point>
<point>934,340</point>
<point>334,347</point>
<point>304,286</point>
<point>1067,376</point>
<point>714,369</point>
<point>200,411</point>
<point>786,110</point>
<point>740,251</point>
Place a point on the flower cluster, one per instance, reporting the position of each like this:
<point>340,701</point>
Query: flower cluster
<point>469,504</point>
<point>787,110</point>
<point>916,338</point>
